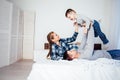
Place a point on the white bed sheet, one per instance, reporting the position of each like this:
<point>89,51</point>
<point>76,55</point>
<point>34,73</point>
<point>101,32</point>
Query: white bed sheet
<point>100,69</point>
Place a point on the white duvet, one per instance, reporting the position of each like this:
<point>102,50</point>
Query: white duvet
<point>100,69</point>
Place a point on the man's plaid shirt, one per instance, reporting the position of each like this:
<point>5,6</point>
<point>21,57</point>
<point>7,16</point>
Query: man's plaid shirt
<point>58,51</point>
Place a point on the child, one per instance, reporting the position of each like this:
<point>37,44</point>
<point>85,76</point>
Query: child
<point>86,22</point>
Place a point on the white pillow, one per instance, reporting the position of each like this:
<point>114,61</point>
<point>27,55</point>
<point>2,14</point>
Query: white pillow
<point>40,55</point>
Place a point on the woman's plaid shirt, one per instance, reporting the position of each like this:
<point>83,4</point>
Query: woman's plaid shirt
<point>58,51</point>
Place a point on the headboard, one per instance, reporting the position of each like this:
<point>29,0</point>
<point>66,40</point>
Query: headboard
<point>97,46</point>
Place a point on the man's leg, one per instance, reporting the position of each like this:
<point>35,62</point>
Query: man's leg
<point>115,54</point>
<point>83,42</point>
<point>88,49</point>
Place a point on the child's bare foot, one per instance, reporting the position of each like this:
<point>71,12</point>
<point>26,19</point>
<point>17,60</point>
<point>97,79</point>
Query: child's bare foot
<point>106,46</point>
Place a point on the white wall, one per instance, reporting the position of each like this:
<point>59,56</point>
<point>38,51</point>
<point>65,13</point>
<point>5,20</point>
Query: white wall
<point>51,17</point>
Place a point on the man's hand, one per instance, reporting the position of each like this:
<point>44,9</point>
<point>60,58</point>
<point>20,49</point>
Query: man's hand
<point>85,30</point>
<point>77,43</point>
<point>75,24</point>
<point>83,25</point>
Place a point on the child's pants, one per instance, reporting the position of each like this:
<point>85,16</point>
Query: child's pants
<point>98,32</point>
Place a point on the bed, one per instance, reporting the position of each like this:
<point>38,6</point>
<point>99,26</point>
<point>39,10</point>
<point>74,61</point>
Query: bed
<point>100,69</point>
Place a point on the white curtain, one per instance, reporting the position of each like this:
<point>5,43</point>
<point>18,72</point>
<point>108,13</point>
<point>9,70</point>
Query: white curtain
<point>117,21</point>
<point>115,25</point>
<point>119,43</point>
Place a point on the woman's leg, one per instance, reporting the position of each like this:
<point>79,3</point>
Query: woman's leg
<point>99,33</point>
<point>115,54</point>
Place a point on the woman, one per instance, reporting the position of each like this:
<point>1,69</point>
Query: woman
<point>58,46</point>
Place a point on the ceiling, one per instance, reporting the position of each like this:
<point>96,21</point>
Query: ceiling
<point>27,4</point>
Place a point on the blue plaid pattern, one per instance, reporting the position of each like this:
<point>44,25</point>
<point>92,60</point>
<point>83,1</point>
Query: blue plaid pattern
<point>58,51</point>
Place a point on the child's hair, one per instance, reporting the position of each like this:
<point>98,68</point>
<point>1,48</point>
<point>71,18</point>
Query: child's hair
<point>66,56</point>
<point>49,38</point>
<point>68,11</point>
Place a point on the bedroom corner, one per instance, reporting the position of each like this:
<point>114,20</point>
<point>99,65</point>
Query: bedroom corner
<point>25,24</point>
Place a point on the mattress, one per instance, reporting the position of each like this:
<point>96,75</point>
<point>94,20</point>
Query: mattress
<point>100,69</point>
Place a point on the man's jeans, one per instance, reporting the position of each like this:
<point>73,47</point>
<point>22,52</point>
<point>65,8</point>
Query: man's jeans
<point>115,54</point>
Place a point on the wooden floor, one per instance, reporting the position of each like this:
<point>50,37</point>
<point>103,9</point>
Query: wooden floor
<point>17,71</point>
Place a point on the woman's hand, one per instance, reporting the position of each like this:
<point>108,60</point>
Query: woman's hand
<point>76,26</point>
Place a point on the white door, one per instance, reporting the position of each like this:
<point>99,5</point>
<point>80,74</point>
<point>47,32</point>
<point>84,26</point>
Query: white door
<point>29,19</point>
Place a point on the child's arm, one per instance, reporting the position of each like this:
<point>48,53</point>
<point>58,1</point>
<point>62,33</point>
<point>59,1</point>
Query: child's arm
<point>84,21</point>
